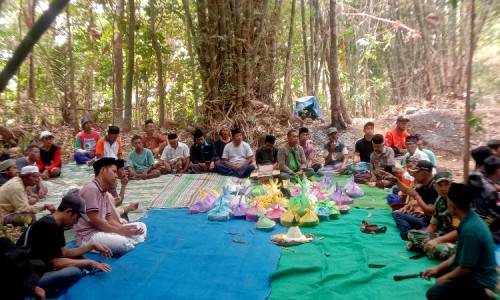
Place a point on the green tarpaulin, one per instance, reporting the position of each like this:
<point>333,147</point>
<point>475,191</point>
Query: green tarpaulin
<point>336,267</point>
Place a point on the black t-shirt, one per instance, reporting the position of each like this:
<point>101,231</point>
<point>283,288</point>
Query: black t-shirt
<point>48,156</point>
<point>4,156</point>
<point>45,239</point>
<point>263,157</point>
<point>428,193</point>
<point>200,155</point>
<point>219,147</point>
<point>364,148</point>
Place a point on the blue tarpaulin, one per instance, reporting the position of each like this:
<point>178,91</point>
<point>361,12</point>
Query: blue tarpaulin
<point>187,257</point>
<point>311,106</point>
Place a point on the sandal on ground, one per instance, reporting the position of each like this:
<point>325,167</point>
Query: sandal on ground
<point>367,227</point>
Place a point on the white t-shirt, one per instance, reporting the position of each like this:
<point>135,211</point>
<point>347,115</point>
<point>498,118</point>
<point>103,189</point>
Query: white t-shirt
<point>420,155</point>
<point>238,154</point>
<point>170,154</point>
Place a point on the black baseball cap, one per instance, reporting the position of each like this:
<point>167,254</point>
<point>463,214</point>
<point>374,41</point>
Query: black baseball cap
<point>403,118</point>
<point>424,165</point>
<point>411,139</point>
<point>76,203</point>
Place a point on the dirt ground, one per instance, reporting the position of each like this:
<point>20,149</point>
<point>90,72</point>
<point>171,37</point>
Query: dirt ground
<point>440,122</point>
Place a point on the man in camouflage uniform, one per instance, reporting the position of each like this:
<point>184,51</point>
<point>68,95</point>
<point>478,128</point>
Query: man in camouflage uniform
<point>437,240</point>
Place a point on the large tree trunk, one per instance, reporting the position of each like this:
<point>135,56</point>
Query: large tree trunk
<point>18,72</point>
<point>304,45</point>
<point>233,39</point>
<point>427,47</point>
<point>118,63</point>
<point>129,82</point>
<point>335,93</point>
<point>72,91</point>
<point>468,91</point>
<point>189,36</point>
<point>31,59</point>
<point>286,96</point>
<point>160,84</point>
<point>92,34</point>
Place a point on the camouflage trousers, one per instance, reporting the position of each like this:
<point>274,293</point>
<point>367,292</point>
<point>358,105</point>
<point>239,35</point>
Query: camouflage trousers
<point>419,238</point>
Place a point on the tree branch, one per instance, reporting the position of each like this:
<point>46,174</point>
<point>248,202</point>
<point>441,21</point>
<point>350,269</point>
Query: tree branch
<point>396,24</point>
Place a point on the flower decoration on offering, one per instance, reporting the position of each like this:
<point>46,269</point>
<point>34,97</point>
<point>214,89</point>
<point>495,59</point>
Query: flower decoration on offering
<point>221,211</point>
<point>301,202</point>
<point>264,223</point>
<point>353,190</point>
<point>206,202</point>
<point>254,210</point>
<point>309,219</point>
<point>334,210</point>
<point>239,210</point>
<point>323,213</point>
<point>339,197</point>
<point>275,212</point>
<point>294,236</point>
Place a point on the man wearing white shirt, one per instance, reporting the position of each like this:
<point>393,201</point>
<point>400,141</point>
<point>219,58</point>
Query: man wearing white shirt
<point>413,151</point>
<point>175,157</point>
<point>237,158</point>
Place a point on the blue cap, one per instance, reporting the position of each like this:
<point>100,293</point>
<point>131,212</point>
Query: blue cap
<point>85,120</point>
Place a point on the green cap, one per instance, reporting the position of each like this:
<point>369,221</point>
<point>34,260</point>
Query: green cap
<point>440,176</point>
<point>4,165</point>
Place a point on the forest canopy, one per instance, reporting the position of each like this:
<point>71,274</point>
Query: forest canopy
<point>121,62</point>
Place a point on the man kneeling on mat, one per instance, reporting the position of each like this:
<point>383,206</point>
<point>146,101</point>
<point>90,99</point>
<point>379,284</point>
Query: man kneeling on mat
<point>47,243</point>
<point>101,227</point>
<point>438,239</point>
<point>473,272</point>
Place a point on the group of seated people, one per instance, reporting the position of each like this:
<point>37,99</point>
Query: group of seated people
<point>100,221</point>
<point>98,224</point>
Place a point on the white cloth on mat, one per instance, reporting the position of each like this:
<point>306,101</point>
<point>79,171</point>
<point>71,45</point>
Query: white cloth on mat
<point>119,244</point>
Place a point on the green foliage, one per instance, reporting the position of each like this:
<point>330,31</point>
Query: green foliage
<point>476,123</point>
<point>363,46</point>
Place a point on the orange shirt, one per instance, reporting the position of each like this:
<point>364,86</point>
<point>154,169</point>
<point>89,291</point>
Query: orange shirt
<point>405,179</point>
<point>153,142</point>
<point>104,149</point>
<point>394,138</point>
